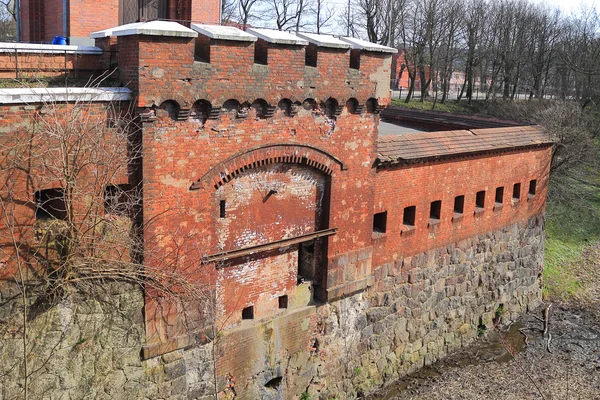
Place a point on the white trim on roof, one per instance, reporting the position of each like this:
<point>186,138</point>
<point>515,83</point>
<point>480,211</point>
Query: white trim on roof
<point>325,40</point>
<point>221,32</point>
<point>48,48</point>
<point>368,46</point>
<point>152,28</point>
<point>277,37</point>
<point>47,95</point>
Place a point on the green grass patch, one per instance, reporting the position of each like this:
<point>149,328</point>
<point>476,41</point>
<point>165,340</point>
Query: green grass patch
<point>572,226</point>
<point>449,106</point>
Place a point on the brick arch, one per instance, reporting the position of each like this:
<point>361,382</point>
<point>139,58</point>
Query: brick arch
<point>269,154</point>
<point>182,101</point>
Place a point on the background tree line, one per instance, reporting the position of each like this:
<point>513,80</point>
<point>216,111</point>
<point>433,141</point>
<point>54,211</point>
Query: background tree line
<point>502,47</point>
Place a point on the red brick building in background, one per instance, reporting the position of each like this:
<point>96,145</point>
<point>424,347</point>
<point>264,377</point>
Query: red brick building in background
<point>42,20</point>
<point>332,247</point>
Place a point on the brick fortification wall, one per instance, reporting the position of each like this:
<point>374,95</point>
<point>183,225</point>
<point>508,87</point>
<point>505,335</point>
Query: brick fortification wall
<point>238,154</point>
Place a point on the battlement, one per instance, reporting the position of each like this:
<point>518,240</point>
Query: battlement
<point>165,61</point>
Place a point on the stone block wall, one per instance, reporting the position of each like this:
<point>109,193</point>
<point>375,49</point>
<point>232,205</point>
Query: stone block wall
<point>425,306</point>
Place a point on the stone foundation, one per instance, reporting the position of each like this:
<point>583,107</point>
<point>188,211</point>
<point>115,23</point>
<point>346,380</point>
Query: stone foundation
<point>419,309</point>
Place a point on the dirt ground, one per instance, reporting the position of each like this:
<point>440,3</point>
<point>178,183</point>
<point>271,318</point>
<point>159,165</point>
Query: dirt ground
<point>571,370</point>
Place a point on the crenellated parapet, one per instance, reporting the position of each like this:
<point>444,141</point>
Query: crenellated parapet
<point>164,61</point>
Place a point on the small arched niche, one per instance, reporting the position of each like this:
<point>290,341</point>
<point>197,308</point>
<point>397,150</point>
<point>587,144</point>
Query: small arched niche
<point>352,106</point>
<point>232,108</point>
<point>201,111</point>
<point>260,106</point>
<point>285,106</point>
<point>372,105</point>
<point>168,108</point>
<point>309,104</point>
<point>330,108</point>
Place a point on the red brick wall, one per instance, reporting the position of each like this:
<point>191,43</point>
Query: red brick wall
<point>169,72</point>
<point>420,184</point>
<point>42,65</point>
<point>176,156</point>
<point>206,11</point>
<point>86,16</point>
<point>53,19</point>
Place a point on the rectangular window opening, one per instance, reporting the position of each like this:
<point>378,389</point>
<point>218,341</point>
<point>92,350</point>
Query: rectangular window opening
<point>306,261</point>
<point>261,52</point>
<point>459,204</point>
<point>480,201</point>
<point>435,211</point>
<point>283,301</point>
<point>248,313</point>
<point>355,59</point>
<point>50,204</point>
<point>380,222</point>
<point>310,57</point>
<point>516,192</point>
<point>202,50</point>
<point>222,206</point>
<point>499,199</point>
<point>409,216</point>
<point>532,187</point>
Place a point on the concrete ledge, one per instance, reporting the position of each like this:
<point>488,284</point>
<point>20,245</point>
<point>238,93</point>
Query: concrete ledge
<point>325,41</point>
<point>277,37</point>
<point>152,28</point>
<point>49,95</point>
<point>368,46</point>
<point>48,49</point>
<point>223,33</point>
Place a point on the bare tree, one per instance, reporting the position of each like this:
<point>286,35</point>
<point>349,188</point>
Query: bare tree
<point>228,10</point>
<point>70,215</point>
<point>323,13</point>
<point>8,17</point>
<point>287,14</point>
<point>248,11</point>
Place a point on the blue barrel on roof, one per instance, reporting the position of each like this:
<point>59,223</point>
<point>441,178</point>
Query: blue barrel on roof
<point>59,40</point>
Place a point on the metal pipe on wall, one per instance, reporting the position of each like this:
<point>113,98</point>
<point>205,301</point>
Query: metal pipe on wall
<point>18,15</point>
<point>65,18</point>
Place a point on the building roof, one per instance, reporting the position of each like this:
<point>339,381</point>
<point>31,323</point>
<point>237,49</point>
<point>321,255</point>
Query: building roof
<point>153,28</point>
<point>325,40</point>
<point>411,147</point>
<point>277,37</point>
<point>368,46</point>
<point>223,32</point>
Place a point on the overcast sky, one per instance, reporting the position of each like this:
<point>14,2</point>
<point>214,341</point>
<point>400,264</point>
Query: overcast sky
<point>568,5</point>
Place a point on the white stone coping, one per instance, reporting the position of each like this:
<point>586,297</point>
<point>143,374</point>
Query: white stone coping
<point>277,37</point>
<point>368,46</point>
<point>325,40</point>
<point>152,28</point>
<point>48,48</point>
<point>52,95</point>
<point>223,32</point>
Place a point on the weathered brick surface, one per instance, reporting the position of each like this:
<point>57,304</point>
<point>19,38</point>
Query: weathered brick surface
<point>419,185</point>
<point>167,71</point>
